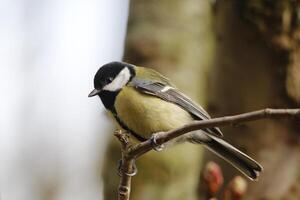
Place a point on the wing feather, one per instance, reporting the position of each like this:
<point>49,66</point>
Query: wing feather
<point>166,92</point>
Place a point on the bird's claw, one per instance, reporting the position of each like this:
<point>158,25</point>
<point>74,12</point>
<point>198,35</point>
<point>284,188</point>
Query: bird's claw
<point>155,146</point>
<point>120,170</point>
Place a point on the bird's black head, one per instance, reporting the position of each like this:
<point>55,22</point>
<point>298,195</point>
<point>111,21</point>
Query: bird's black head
<point>112,76</point>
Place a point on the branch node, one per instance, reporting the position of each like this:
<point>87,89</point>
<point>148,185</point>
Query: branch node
<point>123,137</point>
<point>121,172</point>
<point>124,190</point>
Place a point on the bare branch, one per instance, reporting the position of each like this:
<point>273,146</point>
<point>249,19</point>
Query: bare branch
<point>126,168</point>
<point>164,137</point>
<point>129,154</point>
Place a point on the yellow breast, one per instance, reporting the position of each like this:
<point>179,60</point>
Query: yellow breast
<point>145,114</point>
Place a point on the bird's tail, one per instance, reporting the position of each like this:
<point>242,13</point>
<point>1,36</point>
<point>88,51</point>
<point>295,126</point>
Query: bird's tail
<point>238,159</point>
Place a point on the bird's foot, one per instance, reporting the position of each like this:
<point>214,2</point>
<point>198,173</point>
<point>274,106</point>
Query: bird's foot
<point>120,169</point>
<point>155,146</point>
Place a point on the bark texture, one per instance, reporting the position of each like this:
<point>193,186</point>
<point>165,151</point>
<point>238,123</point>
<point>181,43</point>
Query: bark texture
<point>257,65</point>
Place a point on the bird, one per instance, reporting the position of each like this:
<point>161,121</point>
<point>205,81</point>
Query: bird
<point>144,102</point>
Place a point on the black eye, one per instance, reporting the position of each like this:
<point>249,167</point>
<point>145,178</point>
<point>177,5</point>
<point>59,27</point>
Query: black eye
<point>109,79</point>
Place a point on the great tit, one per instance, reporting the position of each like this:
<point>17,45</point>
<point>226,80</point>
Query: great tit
<point>144,102</point>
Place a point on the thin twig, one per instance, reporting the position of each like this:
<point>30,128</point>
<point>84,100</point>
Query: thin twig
<point>126,166</point>
<point>129,154</point>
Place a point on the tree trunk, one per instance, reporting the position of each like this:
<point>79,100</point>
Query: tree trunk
<point>175,38</point>
<point>257,66</point>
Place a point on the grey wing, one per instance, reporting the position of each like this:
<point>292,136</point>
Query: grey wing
<point>170,94</point>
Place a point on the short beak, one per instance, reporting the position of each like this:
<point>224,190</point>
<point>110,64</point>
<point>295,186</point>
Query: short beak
<point>94,92</point>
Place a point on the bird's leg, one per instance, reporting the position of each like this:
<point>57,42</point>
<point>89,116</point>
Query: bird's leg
<point>120,170</point>
<point>155,146</point>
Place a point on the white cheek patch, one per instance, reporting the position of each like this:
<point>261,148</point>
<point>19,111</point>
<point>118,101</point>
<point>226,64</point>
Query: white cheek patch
<point>120,81</point>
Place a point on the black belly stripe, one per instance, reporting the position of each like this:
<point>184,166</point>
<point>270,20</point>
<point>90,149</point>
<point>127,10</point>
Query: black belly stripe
<point>138,137</point>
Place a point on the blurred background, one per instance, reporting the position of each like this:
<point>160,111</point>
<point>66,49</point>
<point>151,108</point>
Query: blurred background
<point>52,136</point>
<point>229,56</point>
